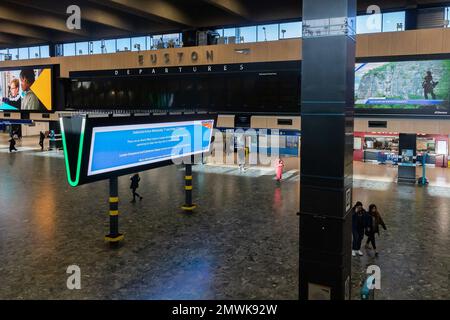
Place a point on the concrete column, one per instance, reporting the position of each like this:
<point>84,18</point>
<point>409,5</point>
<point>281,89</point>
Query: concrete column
<point>327,148</point>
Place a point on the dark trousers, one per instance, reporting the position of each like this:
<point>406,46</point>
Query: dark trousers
<point>135,194</point>
<point>371,239</point>
<point>357,239</point>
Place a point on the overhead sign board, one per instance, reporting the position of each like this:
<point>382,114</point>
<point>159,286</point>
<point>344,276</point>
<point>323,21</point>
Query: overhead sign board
<point>99,148</point>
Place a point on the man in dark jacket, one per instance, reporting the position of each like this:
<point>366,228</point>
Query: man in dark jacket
<point>41,140</point>
<point>358,227</point>
<point>12,144</point>
<point>134,185</point>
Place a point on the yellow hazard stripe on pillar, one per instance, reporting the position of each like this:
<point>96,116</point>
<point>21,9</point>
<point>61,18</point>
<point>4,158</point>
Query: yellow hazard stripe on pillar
<point>189,208</point>
<point>188,188</point>
<point>188,177</point>
<point>115,239</point>
<point>113,199</point>
<point>113,212</point>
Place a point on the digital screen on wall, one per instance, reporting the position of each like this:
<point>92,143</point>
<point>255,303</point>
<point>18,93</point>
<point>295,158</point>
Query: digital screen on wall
<point>26,89</point>
<point>123,147</point>
<point>403,87</point>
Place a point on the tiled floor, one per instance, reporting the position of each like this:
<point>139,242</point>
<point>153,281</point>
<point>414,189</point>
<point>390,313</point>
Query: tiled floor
<point>241,242</point>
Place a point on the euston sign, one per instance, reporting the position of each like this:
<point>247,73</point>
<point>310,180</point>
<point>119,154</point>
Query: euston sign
<point>179,57</point>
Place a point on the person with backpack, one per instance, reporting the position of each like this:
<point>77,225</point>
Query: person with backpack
<point>134,185</point>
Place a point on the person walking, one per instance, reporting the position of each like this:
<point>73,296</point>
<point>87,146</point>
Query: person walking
<point>240,144</point>
<point>373,222</point>
<point>279,169</point>
<point>41,140</point>
<point>12,144</point>
<point>134,185</point>
<point>358,227</point>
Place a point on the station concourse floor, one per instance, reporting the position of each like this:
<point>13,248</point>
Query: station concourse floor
<point>240,243</point>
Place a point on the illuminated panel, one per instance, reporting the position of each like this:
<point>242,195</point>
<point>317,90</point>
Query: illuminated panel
<point>121,147</point>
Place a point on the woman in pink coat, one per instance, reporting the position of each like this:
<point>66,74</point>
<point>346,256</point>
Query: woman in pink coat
<point>279,169</point>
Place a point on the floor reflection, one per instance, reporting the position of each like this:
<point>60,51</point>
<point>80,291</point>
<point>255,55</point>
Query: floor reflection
<point>241,242</point>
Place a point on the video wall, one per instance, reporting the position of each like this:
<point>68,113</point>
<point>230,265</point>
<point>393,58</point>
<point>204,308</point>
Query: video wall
<point>235,92</point>
<point>26,89</point>
<point>403,87</point>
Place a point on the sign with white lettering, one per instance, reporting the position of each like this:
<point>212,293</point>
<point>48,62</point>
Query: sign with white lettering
<point>100,148</point>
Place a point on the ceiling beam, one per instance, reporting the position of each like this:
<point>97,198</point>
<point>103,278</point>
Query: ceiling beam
<point>10,41</point>
<point>234,7</point>
<point>156,10</point>
<point>91,13</point>
<point>18,29</point>
<point>6,38</point>
<point>38,19</point>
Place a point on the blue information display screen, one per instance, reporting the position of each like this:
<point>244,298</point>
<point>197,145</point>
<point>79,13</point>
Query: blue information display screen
<point>120,147</point>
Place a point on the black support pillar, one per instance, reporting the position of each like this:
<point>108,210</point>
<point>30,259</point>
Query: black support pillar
<point>327,148</point>
<point>188,206</point>
<point>114,236</point>
<point>407,162</point>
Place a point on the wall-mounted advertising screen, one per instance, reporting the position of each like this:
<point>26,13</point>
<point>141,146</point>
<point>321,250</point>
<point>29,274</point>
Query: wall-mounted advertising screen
<point>403,87</point>
<point>26,89</point>
<point>99,148</point>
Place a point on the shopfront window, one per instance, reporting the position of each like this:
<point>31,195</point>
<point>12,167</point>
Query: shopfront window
<point>426,144</point>
<point>381,148</point>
